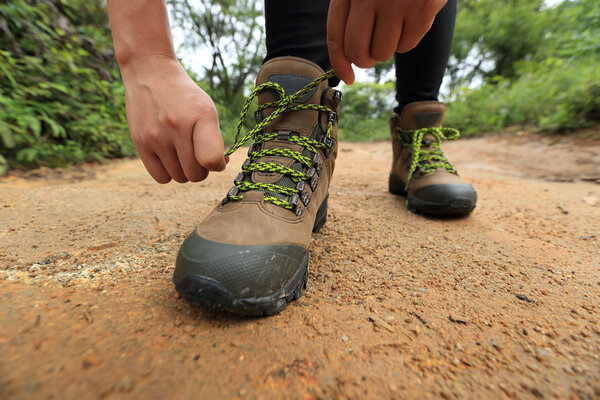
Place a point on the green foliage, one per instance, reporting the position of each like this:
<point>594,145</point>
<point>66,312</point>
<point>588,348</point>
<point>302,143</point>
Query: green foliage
<point>61,100</point>
<point>365,111</point>
<point>556,96</point>
<point>546,66</point>
<point>491,36</point>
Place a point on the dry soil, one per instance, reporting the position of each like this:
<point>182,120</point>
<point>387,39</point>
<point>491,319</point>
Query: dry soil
<point>503,303</point>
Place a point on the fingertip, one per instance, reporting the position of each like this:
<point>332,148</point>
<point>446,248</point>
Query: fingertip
<point>201,175</point>
<point>221,167</point>
<point>163,180</point>
<point>350,79</point>
<point>348,76</point>
<point>343,70</point>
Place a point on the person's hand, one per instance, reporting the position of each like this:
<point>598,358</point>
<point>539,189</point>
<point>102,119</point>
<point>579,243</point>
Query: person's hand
<point>363,32</point>
<point>173,123</point>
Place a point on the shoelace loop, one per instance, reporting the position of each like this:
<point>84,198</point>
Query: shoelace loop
<point>433,158</point>
<point>282,104</point>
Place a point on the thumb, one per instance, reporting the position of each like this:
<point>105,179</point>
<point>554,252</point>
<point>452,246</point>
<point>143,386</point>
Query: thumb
<point>208,144</point>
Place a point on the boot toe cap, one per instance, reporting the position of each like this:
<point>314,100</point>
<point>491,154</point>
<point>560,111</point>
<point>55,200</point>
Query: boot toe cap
<point>445,193</point>
<point>223,274</point>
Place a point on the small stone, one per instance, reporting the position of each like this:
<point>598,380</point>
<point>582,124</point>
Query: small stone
<point>178,322</point>
<point>541,355</point>
<point>188,328</point>
<point>495,343</point>
<point>537,393</point>
<point>126,384</point>
<point>90,361</point>
<point>345,338</point>
<point>393,387</point>
<point>568,369</point>
<point>591,200</point>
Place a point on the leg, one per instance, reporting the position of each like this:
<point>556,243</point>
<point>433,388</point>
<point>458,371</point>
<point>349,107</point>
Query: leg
<point>419,72</point>
<point>298,29</point>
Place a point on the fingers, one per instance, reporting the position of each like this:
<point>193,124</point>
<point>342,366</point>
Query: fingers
<point>336,30</point>
<point>386,27</point>
<point>208,144</point>
<point>154,167</point>
<point>193,171</point>
<point>170,161</point>
<point>413,31</point>
<point>357,37</point>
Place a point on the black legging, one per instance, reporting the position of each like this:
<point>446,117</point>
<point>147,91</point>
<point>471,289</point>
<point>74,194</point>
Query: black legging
<point>299,28</point>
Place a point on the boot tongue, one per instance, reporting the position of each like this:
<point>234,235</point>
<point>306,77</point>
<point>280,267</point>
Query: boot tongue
<point>427,115</point>
<point>292,74</point>
<point>292,84</point>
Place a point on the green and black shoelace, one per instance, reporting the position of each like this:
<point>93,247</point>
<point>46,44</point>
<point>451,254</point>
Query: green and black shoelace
<point>431,157</point>
<point>311,164</point>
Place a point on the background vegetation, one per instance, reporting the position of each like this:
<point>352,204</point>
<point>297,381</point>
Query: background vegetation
<point>519,62</point>
<point>61,100</point>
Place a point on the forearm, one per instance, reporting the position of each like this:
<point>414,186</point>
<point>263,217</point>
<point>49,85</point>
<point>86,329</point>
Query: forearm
<point>140,30</point>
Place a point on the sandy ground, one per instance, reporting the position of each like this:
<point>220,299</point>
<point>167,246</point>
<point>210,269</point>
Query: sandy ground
<point>503,303</point>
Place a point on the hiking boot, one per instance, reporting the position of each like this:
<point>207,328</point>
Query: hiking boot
<point>250,255</point>
<point>420,171</point>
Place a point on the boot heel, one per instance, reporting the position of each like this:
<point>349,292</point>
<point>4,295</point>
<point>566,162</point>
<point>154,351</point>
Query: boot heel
<point>396,186</point>
<point>321,217</point>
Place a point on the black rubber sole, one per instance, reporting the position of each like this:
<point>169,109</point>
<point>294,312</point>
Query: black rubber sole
<point>455,207</point>
<point>211,294</point>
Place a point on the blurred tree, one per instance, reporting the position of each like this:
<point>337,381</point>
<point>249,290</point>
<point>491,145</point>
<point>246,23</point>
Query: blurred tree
<point>533,64</point>
<point>231,32</point>
<point>491,36</point>
<point>365,111</point>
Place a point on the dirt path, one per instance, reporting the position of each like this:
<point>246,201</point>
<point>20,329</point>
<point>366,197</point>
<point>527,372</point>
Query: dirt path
<point>504,303</point>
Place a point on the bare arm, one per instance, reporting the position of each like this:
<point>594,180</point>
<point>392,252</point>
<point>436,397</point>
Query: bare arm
<point>173,123</point>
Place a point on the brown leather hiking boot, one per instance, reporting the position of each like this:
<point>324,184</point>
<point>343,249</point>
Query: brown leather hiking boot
<point>250,255</point>
<point>420,171</point>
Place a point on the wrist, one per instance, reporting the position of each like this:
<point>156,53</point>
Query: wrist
<point>151,63</point>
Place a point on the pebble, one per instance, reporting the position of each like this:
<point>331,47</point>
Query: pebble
<point>541,355</point>
<point>495,343</point>
<point>568,369</point>
<point>126,384</point>
<point>188,328</point>
<point>345,338</point>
